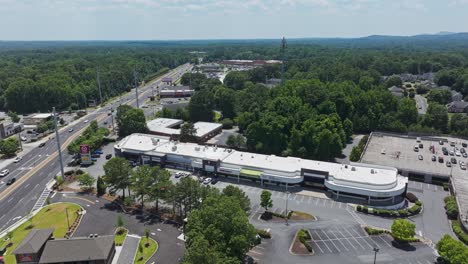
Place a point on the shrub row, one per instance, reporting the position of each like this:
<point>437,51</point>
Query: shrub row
<point>263,233</point>
<point>303,236</point>
<point>413,210</point>
<point>406,240</point>
<point>356,152</point>
<point>373,231</point>
<point>451,207</point>
<point>457,229</point>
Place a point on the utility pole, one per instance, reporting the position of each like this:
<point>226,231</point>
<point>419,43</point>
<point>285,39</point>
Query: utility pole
<point>287,199</point>
<point>112,120</point>
<point>58,143</point>
<point>20,143</point>
<point>136,85</point>
<point>375,253</point>
<point>99,86</point>
<point>283,58</point>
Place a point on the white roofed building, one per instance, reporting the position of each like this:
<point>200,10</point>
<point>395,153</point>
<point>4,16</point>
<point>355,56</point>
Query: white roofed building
<point>171,128</point>
<point>370,184</point>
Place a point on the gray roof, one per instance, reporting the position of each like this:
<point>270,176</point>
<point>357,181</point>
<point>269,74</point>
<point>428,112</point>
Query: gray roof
<point>77,249</point>
<point>458,104</point>
<point>395,89</point>
<point>34,241</point>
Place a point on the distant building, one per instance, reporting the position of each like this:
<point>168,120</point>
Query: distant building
<point>166,80</point>
<point>210,67</point>
<point>396,91</point>
<point>458,107</point>
<point>169,127</point>
<point>8,128</point>
<point>456,96</point>
<point>273,82</point>
<point>36,119</point>
<point>170,91</point>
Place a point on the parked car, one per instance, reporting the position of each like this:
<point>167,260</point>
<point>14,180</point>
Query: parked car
<point>421,145</point>
<point>451,153</point>
<point>214,180</point>
<point>433,158</point>
<point>464,145</point>
<point>201,179</point>
<point>11,181</point>
<point>453,160</point>
<point>93,158</point>
<point>86,121</point>
<point>23,138</point>
<point>4,172</point>
<point>457,153</point>
<point>465,155</point>
<point>108,156</point>
<point>17,159</point>
<point>98,151</point>
<point>452,144</point>
<point>462,150</point>
<point>441,142</point>
<point>207,180</point>
<point>42,144</point>
<point>70,130</point>
<point>178,174</point>
<point>463,167</point>
<point>441,159</point>
<point>445,152</point>
<point>416,148</point>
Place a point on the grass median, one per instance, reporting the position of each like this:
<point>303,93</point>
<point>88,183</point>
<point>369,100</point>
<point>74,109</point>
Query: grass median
<point>146,249</point>
<point>51,216</point>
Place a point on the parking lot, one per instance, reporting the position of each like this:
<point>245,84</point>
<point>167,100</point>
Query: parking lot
<point>354,241</point>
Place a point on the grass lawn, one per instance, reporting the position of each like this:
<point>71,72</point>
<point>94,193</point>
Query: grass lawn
<point>119,239</point>
<point>52,216</point>
<point>147,251</point>
<point>298,215</point>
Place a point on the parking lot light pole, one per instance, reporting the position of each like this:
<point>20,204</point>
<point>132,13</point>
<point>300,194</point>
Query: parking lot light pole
<point>287,199</point>
<point>375,253</point>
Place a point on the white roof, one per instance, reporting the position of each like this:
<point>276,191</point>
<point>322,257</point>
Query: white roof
<point>163,125</point>
<point>204,128</point>
<point>354,174</point>
<point>41,116</point>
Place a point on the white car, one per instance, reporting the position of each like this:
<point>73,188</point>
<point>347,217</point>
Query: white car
<point>457,153</point>
<point>71,130</point>
<point>179,174</point>
<point>207,180</point>
<point>4,172</point>
<point>23,138</point>
<point>17,159</point>
<point>86,121</point>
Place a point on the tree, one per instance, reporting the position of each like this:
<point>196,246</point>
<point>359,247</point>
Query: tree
<point>265,200</point>
<point>393,81</point>
<point>85,181</point>
<point>130,120</point>
<point>236,192</point>
<point>452,250</point>
<point>150,183</point>
<point>436,117</point>
<point>236,141</point>
<point>188,133</point>
<point>100,186</point>
<point>403,230</point>
<point>117,171</point>
<point>227,123</point>
<point>59,181</point>
<point>14,116</point>
<point>8,147</point>
<point>207,226</point>
<point>440,96</point>
<point>407,111</point>
<point>236,80</point>
<point>200,107</point>
<point>147,233</point>
<point>355,154</point>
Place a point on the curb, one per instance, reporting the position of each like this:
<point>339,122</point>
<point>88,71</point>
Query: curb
<point>157,248</point>
<point>294,240</point>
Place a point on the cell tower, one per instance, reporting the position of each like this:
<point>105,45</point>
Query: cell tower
<point>283,58</point>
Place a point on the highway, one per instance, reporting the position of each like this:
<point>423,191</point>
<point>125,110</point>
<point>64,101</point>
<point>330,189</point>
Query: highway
<point>40,165</point>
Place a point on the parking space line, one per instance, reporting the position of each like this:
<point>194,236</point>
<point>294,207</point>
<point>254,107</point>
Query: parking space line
<point>435,188</point>
<point>388,244</point>
<point>302,199</point>
<point>345,238</point>
<point>340,204</point>
<point>324,201</point>
<point>310,199</point>
<point>339,240</point>
<point>318,246</point>
<point>322,241</point>
<point>365,240</point>
<point>354,238</point>
<point>316,203</point>
<point>333,243</point>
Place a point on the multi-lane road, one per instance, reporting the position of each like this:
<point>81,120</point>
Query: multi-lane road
<point>40,165</point>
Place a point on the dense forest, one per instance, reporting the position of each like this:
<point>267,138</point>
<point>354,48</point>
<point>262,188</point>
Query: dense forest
<point>37,79</point>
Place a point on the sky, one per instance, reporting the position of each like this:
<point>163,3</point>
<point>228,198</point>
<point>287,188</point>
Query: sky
<point>225,19</point>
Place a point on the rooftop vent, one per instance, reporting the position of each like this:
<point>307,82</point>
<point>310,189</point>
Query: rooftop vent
<point>346,166</point>
<point>197,148</point>
<point>372,171</point>
<point>353,168</point>
<point>174,148</point>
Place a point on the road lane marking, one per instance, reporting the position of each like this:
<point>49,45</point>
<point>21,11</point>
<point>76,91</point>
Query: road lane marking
<point>316,203</point>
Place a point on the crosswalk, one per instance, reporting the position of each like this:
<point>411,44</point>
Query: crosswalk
<point>42,199</point>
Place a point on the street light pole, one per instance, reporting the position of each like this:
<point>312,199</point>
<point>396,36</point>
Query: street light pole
<point>375,253</point>
<point>287,199</point>
<point>19,139</point>
<point>58,143</point>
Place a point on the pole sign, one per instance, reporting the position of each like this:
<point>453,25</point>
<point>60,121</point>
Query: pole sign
<point>85,154</point>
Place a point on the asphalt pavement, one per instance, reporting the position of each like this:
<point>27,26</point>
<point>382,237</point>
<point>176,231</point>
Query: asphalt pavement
<point>40,165</point>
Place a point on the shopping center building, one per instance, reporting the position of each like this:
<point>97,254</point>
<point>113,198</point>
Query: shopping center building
<point>372,184</point>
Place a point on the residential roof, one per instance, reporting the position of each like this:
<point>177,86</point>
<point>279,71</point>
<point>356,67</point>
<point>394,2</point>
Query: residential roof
<point>395,89</point>
<point>34,241</point>
<point>77,249</point>
<point>458,104</point>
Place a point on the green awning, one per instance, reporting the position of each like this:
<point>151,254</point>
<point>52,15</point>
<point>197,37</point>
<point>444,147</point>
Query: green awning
<point>252,173</point>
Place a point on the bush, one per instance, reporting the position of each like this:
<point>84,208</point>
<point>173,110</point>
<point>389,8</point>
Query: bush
<point>263,233</point>
<point>303,236</point>
<point>373,231</point>
<point>451,207</point>
<point>359,208</point>
<point>459,232</point>
<point>446,186</point>
<point>227,123</point>
<point>415,209</point>
<point>419,203</point>
<point>266,215</point>
<point>365,209</point>
<point>403,213</point>
<point>411,197</point>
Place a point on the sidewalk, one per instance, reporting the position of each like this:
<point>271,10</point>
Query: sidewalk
<point>129,249</point>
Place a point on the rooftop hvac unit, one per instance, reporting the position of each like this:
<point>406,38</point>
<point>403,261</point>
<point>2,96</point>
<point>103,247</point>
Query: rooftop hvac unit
<point>372,171</point>
<point>353,168</point>
<point>197,148</point>
<point>346,166</point>
<point>174,148</point>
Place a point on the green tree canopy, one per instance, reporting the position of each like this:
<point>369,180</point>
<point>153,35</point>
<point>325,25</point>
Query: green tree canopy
<point>117,171</point>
